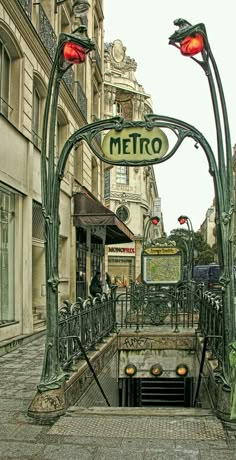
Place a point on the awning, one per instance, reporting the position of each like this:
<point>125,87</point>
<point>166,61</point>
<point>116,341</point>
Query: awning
<point>89,211</point>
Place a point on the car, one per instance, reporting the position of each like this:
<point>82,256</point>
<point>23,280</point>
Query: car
<point>213,278</point>
<point>200,274</point>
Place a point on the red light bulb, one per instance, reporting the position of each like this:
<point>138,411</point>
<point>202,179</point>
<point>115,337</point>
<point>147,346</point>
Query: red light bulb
<point>182,221</point>
<point>74,53</point>
<point>192,45</point>
<point>155,221</point>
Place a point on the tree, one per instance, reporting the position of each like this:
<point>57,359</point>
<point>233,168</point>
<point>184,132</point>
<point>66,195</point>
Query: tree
<point>203,253</point>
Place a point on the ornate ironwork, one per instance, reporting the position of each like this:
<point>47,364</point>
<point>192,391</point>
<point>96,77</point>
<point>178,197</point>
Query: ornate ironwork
<point>81,99</point>
<point>89,320</point>
<point>224,183</point>
<point>68,78</point>
<point>27,6</point>
<point>46,33</point>
<point>143,305</point>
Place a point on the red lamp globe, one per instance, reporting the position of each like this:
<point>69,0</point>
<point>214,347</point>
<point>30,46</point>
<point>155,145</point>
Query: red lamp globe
<point>155,221</point>
<point>191,45</point>
<point>182,220</point>
<point>74,53</point>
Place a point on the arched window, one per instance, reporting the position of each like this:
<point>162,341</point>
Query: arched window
<point>62,130</point>
<point>5,63</point>
<point>39,94</point>
<point>10,75</point>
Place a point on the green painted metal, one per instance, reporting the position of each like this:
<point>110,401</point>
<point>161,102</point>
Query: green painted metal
<point>224,184</point>
<point>52,376</point>
<point>222,173</point>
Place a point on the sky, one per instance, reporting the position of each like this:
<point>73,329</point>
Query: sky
<point>179,88</point>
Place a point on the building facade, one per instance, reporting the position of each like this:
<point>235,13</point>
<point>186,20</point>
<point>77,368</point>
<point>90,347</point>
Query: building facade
<point>28,40</point>
<point>130,192</point>
<point>207,228</point>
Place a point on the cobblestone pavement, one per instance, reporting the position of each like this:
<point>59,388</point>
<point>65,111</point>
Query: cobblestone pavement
<point>85,434</point>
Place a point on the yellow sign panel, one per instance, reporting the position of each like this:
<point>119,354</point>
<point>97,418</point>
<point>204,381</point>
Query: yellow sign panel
<point>160,251</point>
<point>135,144</point>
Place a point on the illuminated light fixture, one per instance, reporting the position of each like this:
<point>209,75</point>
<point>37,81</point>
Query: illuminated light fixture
<point>74,53</point>
<point>181,370</point>
<point>155,220</point>
<point>191,45</point>
<point>130,370</point>
<point>182,220</point>
<point>156,370</point>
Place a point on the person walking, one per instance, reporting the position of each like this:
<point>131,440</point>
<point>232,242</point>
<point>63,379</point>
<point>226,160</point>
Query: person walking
<point>96,284</point>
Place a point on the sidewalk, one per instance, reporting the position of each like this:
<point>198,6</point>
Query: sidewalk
<point>99,433</point>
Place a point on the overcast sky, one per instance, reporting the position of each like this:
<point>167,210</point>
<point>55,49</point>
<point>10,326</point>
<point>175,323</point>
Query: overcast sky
<point>179,88</point>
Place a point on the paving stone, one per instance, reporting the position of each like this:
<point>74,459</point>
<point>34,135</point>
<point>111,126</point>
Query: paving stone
<point>19,449</point>
<point>149,443</point>
<point>7,430</point>
<point>66,452</point>
<point>167,454</point>
<point>217,455</point>
<point>119,454</point>
<point>28,432</point>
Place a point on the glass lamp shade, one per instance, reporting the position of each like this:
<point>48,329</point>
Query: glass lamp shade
<point>192,45</point>
<point>74,53</point>
<point>182,220</point>
<point>155,221</point>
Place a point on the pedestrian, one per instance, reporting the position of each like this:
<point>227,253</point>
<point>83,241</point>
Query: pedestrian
<point>96,284</point>
<point>108,280</point>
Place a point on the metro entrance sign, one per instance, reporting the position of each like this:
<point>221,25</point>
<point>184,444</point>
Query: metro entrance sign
<point>135,143</point>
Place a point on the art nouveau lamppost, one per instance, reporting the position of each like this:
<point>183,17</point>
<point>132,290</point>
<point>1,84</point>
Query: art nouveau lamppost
<point>192,40</point>
<point>154,220</point>
<point>186,220</point>
<point>71,49</point>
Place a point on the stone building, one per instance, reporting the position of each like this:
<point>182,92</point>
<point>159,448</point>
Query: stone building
<point>28,39</point>
<point>130,192</point>
<point>207,228</point>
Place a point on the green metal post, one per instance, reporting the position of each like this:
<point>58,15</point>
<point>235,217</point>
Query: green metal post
<point>225,200</point>
<point>49,401</point>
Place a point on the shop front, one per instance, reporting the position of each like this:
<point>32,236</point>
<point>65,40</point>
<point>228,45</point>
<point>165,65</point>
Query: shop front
<point>96,227</point>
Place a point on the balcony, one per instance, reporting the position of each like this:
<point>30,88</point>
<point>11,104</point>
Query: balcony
<point>27,6</point>
<point>81,99</point>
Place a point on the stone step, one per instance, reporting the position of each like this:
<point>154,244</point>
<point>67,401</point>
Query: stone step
<point>39,324</point>
<point>77,411</point>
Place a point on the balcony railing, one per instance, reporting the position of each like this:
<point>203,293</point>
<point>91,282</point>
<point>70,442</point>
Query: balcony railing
<point>81,99</point>
<point>46,33</point>
<point>27,6</point>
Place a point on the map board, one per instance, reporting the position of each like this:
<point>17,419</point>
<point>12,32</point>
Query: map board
<point>161,265</point>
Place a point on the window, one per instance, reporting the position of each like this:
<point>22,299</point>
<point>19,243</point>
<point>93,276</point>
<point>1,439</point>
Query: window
<point>10,75</point>
<point>94,177</point>
<point>7,220</point>
<point>4,80</point>
<point>123,213</point>
<point>39,94</point>
<point>122,175</point>
<point>81,249</point>
<point>61,131</point>
<point>117,109</point>
<point>97,253</point>
<point>36,117</point>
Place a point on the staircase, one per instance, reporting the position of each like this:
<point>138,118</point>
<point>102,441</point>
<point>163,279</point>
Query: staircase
<point>162,392</point>
<point>39,319</point>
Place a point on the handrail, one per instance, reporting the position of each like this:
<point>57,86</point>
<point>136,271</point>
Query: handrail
<point>89,364</point>
<point>205,340</point>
